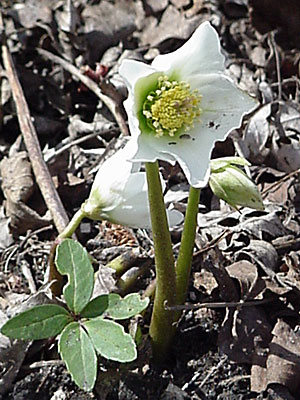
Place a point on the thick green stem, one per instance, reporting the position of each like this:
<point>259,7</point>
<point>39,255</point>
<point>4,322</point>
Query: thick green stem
<point>72,225</point>
<point>161,327</point>
<point>184,261</point>
<point>54,275</point>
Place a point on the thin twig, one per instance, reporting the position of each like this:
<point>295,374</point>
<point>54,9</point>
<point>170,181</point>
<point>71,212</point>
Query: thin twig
<point>277,62</point>
<point>213,371</point>
<point>210,245</point>
<point>110,103</point>
<point>39,167</point>
<point>28,275</point>
<point>43,363</point>
<point>222,304</point>
<point>77,141</point>
<point>279,182</point>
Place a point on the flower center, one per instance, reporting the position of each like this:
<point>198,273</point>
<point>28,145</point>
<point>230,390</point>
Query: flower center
<point>171,107</point>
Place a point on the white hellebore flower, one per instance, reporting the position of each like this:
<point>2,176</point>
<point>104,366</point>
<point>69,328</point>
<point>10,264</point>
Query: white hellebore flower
<point>120,195</point>
<point>180,105</point>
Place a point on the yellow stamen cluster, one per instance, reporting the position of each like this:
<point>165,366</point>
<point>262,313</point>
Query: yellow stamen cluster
<point>172,106</point>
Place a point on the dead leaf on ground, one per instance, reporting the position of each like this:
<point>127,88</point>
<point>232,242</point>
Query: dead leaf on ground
<point>266,224</point>
<point>6,238</point>
<point>261,253</point>
<point>245,332</point>
<point>157,5</point>
<point>256,136</point>
<point>154,35</point>
<point>283,364</point>
<point>18,186</point>
<point>273,135</point>
<point>251,285</point>
<point>33,13</point>
<point>276,186</point>
<point>105,24</point>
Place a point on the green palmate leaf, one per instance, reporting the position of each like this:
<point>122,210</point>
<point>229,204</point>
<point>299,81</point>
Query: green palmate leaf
<point>122,308</point>
<point>114,306</point>
<point>39,322</point>
<point>77,351</point>
<point>95,307</point>
<point>73,260</point>
<point>110,340</point>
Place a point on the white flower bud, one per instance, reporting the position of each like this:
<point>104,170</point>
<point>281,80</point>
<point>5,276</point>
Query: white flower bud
<point>119,193</point>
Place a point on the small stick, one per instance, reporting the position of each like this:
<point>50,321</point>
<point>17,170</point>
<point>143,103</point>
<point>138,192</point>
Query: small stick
<point>222,304</point>
<point>39,167</point>
<point>77,141</point>
<point>280,181</point>
<point>93,86</point>
<point>28,275</point>
<point>277,62</point>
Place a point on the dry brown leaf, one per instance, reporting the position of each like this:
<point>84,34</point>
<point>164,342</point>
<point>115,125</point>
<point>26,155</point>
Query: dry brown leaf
<point>6,238</point>
<point>33,13</point>
<point>267,224</point>
<point>206,280</point>
<point>259,373</point>
<point>256,136</point>
<point>261,253</point>
<point>283,364</point>
<point>105,24</point>
<point>251,286</point>
<point>244,334</point>
<point>273,136</point>
<point>17,181</point>
<point>157,5</point>
<point>214,264</point>
<point>180,3</point>
<point>17,186</point>
<point>154,35</point>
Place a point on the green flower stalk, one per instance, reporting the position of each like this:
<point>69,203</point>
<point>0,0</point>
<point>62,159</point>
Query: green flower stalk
<point>161,326</point>
<point>184,261</point>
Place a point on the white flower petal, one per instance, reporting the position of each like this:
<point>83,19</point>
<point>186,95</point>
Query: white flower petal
<point>192,152</point>
<point>200,54</point>
<point>150,149</point>
<point>130,215</point>
<point>134,209</point>
<point>221,98</point>
<point>132,70</point>
<point>111,178</point>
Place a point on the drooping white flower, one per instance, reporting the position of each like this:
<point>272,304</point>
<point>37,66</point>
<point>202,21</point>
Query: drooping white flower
<point>119,193</point>
<point>182,103</point>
